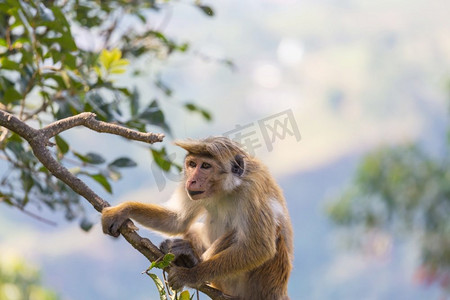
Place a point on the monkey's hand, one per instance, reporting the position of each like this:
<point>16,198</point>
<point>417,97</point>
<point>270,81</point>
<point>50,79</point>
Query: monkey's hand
<point>112,219</point>
<point>185,255</point>
<point>179,277</point>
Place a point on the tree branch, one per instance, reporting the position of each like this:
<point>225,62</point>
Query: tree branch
<point>39,139</point>
<point>88,120</point>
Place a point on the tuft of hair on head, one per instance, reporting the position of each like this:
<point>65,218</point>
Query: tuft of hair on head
<point>219,147</point>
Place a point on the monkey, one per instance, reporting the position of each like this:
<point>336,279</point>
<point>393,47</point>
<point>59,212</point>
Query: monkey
<point>232,214</point>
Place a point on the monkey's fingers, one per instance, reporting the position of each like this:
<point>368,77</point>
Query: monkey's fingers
<point>110,226</point>
<point>187,261</point>
<point>180,243</point>
<point>182,247</point>
<point>166,246</point>
<point>114,230</point>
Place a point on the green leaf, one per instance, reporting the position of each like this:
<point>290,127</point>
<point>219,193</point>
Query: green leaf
<point>123,162</point>
<point>117,70</point>
<point>125,91</point>
<point>192,107</point>
<point>15,138</point>
<point>103,181</point>
<point>90,158</point>
<point>168,258</point>
<point>184,295</point>
<point>153,115</point>
<point>12,95</point>
<point>141,17</point>
<point>7,64</point>
<point>136,124</point>
<point>61,144</point>
<point>206,115</point>
<point>152,265</point>
<point>27,180</point>
<point>67,43</point>
<point>160,36</point>
<point>164,87</point>
<point>112,62</point>
<point>119,63</point>
<point>19,43</point>
<point>134,102</point>
<point>95,158</point>
<point>15,144</point>
<point>86,225</point>
<point>70,61</point>
<point>161,160</point>
<point>183,47</point>
<point>206,9</point>
<point>25,200</point>
<point>81,157</point>
<point>159,286</point>
<point>61,22</point>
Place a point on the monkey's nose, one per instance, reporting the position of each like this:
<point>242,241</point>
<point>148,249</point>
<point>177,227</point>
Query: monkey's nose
<point>192,182</point>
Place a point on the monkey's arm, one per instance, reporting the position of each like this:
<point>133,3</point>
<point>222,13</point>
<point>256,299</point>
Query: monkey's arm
<point>150,215</point>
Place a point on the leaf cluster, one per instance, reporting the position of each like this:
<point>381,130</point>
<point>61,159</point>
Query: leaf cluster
<point>46,74</point>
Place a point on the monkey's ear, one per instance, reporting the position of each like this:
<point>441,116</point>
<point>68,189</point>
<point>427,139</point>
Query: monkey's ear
<point>238,165</point>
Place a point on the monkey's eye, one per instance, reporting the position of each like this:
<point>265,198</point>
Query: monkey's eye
<point>206,166</point>
<point>192,164</point>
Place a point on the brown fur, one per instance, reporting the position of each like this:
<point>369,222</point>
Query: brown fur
<point>246,239</point>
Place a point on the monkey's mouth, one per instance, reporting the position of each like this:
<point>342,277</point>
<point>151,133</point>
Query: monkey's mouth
<point>193,193</point>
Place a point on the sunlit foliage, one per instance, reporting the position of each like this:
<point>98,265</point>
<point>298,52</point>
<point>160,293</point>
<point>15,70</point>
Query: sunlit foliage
<point>48,73</point>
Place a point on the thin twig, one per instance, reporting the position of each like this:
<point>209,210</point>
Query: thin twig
<point>37,217</point>
<point>88,120</point>
<point>166,283</point>
<point>8,37</point>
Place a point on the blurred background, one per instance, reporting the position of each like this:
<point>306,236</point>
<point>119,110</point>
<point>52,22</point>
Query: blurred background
<point>353,96</point>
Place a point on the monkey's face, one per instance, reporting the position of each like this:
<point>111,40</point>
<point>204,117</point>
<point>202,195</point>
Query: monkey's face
<point>201,173</point>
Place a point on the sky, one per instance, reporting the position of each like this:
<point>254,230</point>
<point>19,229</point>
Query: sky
<point>348,76</point>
